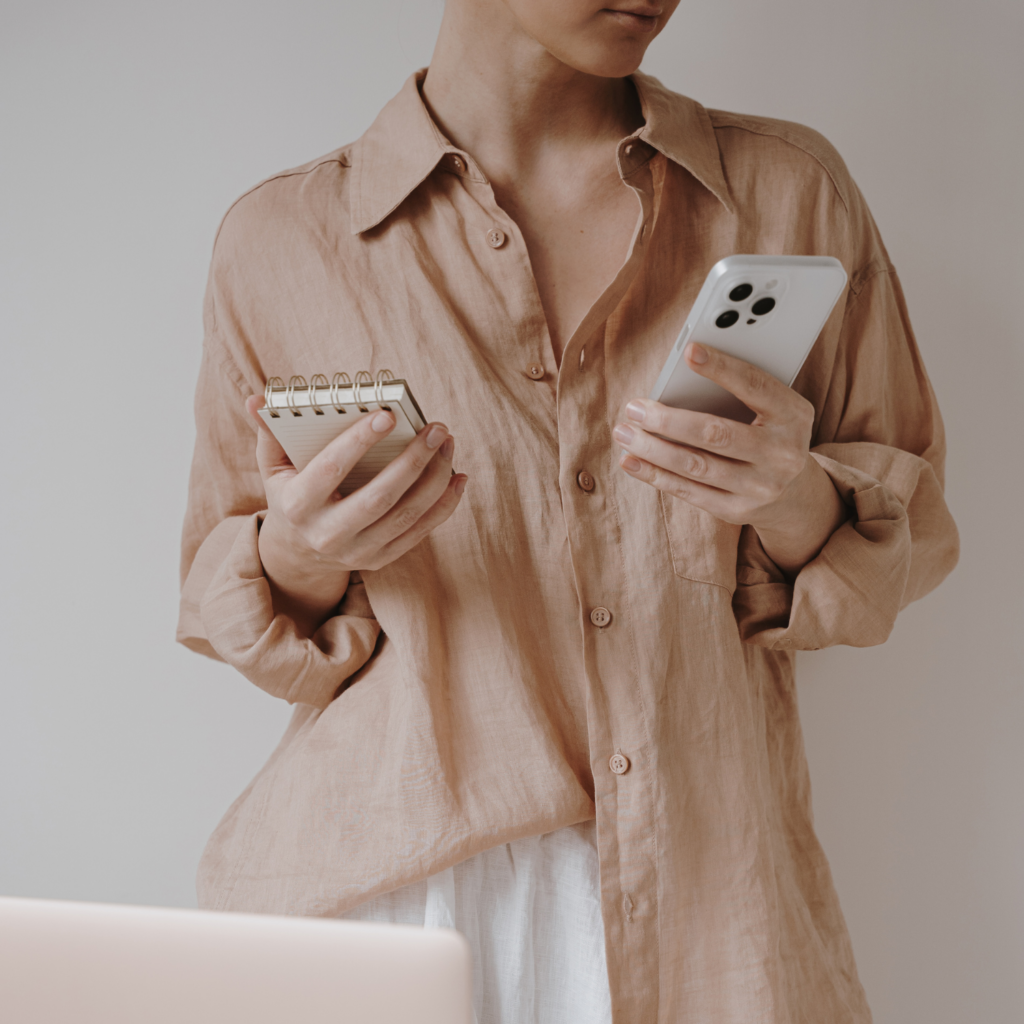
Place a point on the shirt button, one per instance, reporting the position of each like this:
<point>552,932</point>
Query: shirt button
<point>458,163</point>
<point>619,764</point>
<point>536,371</point>
<point>585,480</point>
<point>600,617</point>
<point>495,238</point>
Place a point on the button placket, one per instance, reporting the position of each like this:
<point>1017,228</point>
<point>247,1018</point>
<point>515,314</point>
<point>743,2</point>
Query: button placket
<point>597,525</point>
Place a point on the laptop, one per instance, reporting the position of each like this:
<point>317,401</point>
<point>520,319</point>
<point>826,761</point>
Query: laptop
<point>87,963</point>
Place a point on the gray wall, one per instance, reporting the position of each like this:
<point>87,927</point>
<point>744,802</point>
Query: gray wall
<point>128,128</point>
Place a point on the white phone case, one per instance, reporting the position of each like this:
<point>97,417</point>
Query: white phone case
<point>767,310</point>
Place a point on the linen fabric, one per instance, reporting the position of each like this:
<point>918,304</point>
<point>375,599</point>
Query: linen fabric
<point>531,912</point>
<point>467,695</point>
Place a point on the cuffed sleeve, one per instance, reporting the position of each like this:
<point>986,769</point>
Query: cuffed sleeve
<point>236,615</point>
<point>879,560</point>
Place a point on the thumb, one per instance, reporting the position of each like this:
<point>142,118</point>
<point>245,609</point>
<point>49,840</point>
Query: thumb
<point>270,456</point>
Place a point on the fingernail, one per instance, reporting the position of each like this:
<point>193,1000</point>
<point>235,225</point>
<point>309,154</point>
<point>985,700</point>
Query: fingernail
<point>696,353</point>
<point>435,435</point>
<point>448,447</point>
<point>460,485</point>
<point>623,434</point>
<point>630,464</point>
<point>636,411</point>
<point>381,423</point>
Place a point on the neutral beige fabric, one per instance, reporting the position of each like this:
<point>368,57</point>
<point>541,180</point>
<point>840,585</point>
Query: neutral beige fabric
<point>462,697</point>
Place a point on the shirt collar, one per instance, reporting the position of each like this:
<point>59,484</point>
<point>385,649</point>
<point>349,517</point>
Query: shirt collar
<point>403,146</point>
<point>681,129</point>
<point>397,152</point>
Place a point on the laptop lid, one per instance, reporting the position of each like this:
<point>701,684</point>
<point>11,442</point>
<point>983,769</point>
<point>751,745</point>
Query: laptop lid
<point>91,963</point>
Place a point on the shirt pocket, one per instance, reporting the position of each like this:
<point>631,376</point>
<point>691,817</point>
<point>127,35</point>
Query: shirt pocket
<point>702,547</point>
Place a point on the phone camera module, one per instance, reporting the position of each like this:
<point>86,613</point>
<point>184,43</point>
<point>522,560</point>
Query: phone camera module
<point>762,306</point>
<point>728,318</point>
<point>741,292</point>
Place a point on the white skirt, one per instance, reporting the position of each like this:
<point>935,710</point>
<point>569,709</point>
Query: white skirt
<point>531,912</point>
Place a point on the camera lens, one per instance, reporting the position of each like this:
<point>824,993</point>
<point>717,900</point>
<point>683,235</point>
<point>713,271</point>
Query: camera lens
<point>727,319</point>
<point>762,306</point>
<point>741,292</point>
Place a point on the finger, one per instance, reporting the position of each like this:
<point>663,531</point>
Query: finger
<point>722,504</point>
<point>725,437</point>
<point>417,500</point>
<point>375,499</point>
<point>713,470</point>
<point>754,387</point>
<point>270,456</point>
<point>320,479</point>
<point>428,522</point>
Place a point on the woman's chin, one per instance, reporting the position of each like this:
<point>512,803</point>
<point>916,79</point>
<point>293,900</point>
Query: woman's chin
<point>608,60</point>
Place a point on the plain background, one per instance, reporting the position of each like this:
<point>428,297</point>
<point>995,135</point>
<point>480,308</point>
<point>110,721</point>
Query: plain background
<point>127,129</point>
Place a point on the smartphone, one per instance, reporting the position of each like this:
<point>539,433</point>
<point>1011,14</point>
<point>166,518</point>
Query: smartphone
<point>767,310</point>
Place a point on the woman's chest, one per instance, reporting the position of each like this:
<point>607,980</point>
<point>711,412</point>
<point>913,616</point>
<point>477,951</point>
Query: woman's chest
<point>443,294</point>
<point>578,240</point>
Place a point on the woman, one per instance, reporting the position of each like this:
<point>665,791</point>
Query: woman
<point>549,699</point>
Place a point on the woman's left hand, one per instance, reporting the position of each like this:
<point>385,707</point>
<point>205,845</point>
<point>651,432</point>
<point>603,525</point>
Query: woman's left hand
<point>759,473</point>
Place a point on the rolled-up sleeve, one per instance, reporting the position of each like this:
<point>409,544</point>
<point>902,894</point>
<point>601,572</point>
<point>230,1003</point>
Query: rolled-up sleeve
<point>237,620</point>
<point>879,436</point>
<point>226,610</point>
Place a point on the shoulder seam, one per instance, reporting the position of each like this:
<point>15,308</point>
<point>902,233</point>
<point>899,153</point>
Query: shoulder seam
<point>763,127</point>
<point>275,177</point>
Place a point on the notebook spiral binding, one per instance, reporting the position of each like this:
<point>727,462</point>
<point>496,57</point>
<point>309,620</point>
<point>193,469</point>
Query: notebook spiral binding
<point>297,384</point>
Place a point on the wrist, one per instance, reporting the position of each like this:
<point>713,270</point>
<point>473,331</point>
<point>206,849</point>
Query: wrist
<point>797,526</point>
<point>301,588</point>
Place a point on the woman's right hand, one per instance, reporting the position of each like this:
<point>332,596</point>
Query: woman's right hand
<point>312,538</point>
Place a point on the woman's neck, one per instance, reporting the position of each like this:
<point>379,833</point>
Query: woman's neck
<point>498,94</point>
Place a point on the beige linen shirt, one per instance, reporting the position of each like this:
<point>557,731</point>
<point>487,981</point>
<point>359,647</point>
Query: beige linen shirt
<point>478,689</point>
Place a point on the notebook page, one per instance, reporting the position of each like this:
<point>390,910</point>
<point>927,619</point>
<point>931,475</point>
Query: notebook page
<point>305,436</point>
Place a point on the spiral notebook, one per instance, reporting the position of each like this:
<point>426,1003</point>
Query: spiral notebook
<point>306,417</point>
